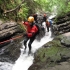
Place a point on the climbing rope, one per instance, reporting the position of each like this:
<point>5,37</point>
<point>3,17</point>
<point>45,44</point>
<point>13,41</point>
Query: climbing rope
<point>11,40</point>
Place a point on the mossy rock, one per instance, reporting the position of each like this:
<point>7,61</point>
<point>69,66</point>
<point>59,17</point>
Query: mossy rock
<point>51,53</point>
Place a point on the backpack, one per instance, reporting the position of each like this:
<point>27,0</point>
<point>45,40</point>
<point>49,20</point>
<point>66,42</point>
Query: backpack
<point>40,33</point>
<point>50,21</point>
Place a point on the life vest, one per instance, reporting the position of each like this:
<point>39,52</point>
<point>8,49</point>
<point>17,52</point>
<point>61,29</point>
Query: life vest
<point>31,29</point>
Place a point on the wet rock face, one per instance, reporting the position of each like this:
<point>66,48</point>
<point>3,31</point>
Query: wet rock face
<point>65,40</point>
<point>62,25</point>
<point>9,51</point>
<point>8,29</point>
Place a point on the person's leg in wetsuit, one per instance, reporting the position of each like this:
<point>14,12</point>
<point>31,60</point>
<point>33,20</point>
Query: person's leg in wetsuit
<point>30,42</point>
<point>47,27</point>
<point>25,41</point>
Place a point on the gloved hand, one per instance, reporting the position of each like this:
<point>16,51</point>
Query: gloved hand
<point>24,34</point>
<point>23,22</point>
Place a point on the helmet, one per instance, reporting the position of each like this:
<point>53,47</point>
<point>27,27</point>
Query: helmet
<point>31,19</point>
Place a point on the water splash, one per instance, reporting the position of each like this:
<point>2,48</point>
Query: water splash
<point>5,66</point>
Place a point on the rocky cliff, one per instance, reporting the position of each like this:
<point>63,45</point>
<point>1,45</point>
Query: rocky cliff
<point>62,24</point>
<point>9,51</point>
<point>8,29</point>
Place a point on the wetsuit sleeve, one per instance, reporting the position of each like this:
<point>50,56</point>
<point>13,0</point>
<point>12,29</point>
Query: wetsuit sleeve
<point>33,31</point>
<point>25,23</point>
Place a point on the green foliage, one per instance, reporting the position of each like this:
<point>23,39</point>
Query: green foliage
<point>43,5</point>
<point>32,6</point>
<point>21,27</point>
<point>68,8</point>
<point>1,2</point>
<point>62,6</point>
<point>8,6</point>
<point>23,12</point>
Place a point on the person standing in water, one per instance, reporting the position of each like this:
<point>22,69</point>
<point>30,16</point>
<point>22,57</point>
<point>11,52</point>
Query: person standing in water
<point>31,33</point>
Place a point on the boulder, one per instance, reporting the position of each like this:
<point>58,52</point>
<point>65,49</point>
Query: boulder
<point>8,29</point>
